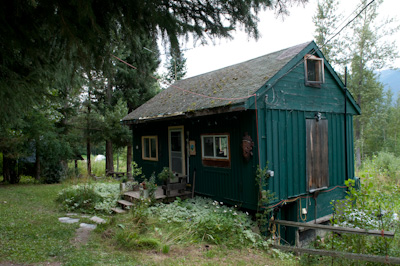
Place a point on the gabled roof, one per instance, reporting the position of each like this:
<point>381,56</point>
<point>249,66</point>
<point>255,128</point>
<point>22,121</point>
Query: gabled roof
<point>229,86</point>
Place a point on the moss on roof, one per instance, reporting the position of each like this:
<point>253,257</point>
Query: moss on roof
<point>226,86</point>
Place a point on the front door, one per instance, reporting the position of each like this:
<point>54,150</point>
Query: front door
<point>176,146</point>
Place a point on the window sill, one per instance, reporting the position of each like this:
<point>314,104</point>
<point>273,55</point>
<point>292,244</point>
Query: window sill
<point>223,163</point>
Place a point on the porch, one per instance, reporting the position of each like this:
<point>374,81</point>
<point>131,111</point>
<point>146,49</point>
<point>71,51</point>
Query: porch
<point>159,195</point>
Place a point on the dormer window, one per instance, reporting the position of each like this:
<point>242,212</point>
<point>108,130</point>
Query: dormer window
<point>314,70</point>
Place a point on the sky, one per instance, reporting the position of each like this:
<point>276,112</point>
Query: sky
<point>276,34</point>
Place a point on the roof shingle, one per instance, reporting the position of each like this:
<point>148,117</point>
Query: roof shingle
<point>226,86</point>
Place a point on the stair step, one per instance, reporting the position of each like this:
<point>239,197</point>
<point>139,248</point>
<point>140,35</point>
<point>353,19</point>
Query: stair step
<point>125,203</point>
<point>118,210</point>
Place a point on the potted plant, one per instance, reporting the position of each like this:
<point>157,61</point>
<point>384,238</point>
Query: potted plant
<point>123,185</point>
<point>148,187</point>
<point>144,193</point>
<point>165,175</point>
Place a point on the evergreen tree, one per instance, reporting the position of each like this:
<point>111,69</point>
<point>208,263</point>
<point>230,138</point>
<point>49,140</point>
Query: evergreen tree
<point>36,35</point>
<point>176,67</point>
<point>326,21</point>
<point>367,53</point>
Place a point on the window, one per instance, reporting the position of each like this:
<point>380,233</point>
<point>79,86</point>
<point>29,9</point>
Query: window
<point>150,148</point>
<point>314,70</point>
<point>215,150</point>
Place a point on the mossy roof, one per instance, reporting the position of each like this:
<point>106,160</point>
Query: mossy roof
<point>231,85</point>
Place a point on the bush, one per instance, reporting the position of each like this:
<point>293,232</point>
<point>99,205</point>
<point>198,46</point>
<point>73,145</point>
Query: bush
<point>366,208</point>
<point>197,220</point>
<point>208,220</point>
<point>89,198</point>
<point>384,164</point>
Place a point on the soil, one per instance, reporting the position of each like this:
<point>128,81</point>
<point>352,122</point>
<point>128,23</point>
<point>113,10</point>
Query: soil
<point>81,237</point>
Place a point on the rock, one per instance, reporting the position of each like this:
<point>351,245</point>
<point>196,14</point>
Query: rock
<point>98,220</point>
<point>68,220</point>
<point>88,226</point>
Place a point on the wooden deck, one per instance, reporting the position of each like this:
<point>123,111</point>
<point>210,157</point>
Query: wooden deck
<point>159,195</point>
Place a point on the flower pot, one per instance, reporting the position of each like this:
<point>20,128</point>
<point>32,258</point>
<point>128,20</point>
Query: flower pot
<point>144,193</point>
<point>123,187</point>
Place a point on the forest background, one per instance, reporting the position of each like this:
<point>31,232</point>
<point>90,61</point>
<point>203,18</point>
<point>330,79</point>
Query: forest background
<point>63,92</point>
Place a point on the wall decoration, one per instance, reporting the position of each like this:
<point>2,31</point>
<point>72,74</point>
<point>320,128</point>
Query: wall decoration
<point>247,146</point>
<point>192,147</point>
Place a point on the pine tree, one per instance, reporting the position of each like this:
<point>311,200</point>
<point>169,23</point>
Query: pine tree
<point>368,53</point>
<point>36,35</point>
<point>176,67</point>
<point>326,21</point>
<point>365,51</point>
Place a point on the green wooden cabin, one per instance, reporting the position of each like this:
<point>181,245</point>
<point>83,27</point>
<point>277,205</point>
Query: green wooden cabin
<point>288,109</point>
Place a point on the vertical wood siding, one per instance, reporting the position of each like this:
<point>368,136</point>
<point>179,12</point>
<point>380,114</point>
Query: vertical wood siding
<point>285,148</point>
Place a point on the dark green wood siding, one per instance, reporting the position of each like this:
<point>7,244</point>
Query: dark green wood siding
<point>235,184</point>
<point>285,148</point>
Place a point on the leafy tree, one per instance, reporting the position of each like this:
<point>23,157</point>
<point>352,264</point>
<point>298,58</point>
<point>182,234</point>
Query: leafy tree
<point>364,49</point>
<point>368,53</point>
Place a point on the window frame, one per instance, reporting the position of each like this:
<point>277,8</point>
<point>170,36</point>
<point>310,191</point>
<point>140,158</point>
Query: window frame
<point>150,137</point>
<point>321,67</point>
<point>214,157</point>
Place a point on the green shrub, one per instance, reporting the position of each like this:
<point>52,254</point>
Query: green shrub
<point>89,198</point>
<point>384,164</point>
<point>133,241</point>
<point>202,219</point>
<point>366,208</point>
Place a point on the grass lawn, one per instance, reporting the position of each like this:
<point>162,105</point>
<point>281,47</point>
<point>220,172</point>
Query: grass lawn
<point>31,234</point>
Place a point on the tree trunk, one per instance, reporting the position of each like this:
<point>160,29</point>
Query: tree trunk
<point>6,169</point>
<point>88,152</point>
<point>76,167</point>
<point>37,161</point>
<point>129,161</point>
<point>109,158</point>
<point>9,170</point>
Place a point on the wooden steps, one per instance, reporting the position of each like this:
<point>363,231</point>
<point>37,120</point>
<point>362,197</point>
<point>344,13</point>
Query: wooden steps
<point>176,190</point>
<point>125,204</point>
<point>118,210</point>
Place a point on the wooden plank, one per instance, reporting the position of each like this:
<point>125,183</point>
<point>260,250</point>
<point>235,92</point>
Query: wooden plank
<point>125,202</point>
<point>338,254</point>
<point>336,228</point>
<point>317,153</point>
<point>118,210</point>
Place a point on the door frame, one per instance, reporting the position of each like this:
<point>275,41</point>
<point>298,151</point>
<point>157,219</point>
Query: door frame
<point>182,131</point>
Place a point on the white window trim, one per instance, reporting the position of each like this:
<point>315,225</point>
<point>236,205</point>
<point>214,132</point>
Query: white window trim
<point>143,148</point>
<point>215,157</point>
<point>314,58</point>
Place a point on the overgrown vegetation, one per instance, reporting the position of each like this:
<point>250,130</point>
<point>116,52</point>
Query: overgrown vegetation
<point>89,198</point>
<point>183,222</point>
<point>376,205</point>
<point>264,200</point>
<point>31,234</point>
